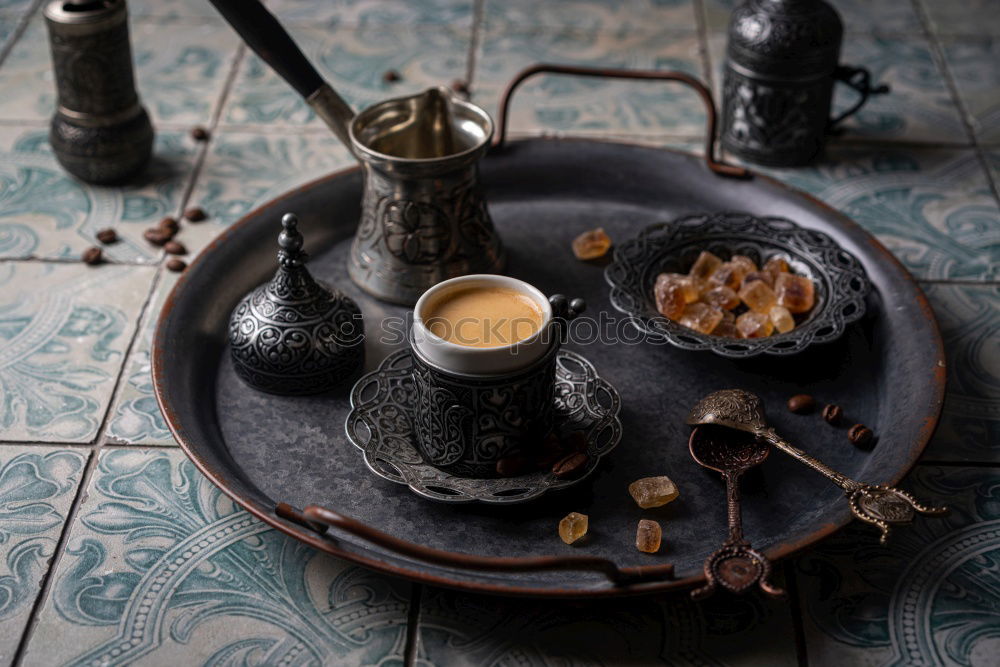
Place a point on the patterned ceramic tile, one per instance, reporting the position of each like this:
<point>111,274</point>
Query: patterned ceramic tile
<point>135,415</point>
<point>7,26</point>
<point>919,108</point>
<point>885,16</point>
<point>969,318</point>
<point>373,13</point>
<point>353,60</point>
<point>37,487</point>
<point>45,212</point>
<point>620,16</point>
<point>970,17</point>
<point>972,62</point>
<point>932,207</point>
<point>930,598</point>
<point>245,170</point>
<point>180,67</point>
<point>64,330</point>
<point>457,629</point>
<point>576,105</point>
<point>161,568</point>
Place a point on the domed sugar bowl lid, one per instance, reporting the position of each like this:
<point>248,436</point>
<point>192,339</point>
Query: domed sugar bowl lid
<point>785,38</point>
<point>294,335</point>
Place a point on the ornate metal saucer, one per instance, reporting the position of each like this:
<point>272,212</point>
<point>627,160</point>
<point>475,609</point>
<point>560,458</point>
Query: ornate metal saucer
<point>380,424</point>
<point>840,280</point>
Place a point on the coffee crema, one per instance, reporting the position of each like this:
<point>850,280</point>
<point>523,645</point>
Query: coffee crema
<point>483,316</point>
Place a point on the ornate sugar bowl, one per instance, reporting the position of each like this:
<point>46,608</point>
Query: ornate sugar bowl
<point>293,335</point>
<point>781,63</point>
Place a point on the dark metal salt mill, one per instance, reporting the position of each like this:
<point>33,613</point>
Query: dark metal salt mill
<point>781,64</point>
<point>100,132</point>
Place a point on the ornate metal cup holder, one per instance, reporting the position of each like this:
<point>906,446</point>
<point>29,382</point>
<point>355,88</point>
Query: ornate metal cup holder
<point>840,280</point>
<point>380,425</point>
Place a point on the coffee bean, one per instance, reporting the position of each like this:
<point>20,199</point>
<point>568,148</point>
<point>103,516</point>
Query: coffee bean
<point>391,75</point>
<point>195,214</point>
<point>576,442</point>
<point>176,265</point>
<point>511,466</point>
<point>175,248</point>
<point>860,435</point>
<point>198,133</point>
<point>169,225</point>
<point>570,466</point>
<point>460,86</point>
<point>802,404</point>
<point>92,256</point>
<point>156,236</point>
<point>107,236</point>
<point>833,414</point>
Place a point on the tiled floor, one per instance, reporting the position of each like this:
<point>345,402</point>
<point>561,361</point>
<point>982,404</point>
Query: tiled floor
<point>114,549</point>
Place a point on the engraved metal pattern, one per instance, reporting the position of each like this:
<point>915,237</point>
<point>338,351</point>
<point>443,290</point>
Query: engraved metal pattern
<point>381,424</point>
<point>294,335</point>
<point>735,565</point>
<point>878,504</point>
<point>840,281</point>
<point>416,232</point>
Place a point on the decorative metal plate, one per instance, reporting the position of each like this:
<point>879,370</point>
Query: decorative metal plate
<point>380,425</point>
<point>840,281</point>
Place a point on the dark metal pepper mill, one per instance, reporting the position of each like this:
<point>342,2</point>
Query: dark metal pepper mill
<point>294,335</point>
<point>781,63</point>
<point>100,132</point>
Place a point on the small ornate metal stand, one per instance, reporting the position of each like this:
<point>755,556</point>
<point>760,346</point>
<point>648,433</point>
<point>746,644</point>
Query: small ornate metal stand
<point>381,424</point>
<point>877,504</point>
<point>734,566</point>
<point>293,335</point>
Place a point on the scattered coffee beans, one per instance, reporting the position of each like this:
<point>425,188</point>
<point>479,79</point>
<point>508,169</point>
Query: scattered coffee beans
<point>169,225</point>
<point>860,435</point>
<point>460,86</point>
<point>92,256</point>
<point>833,414</point>
<point>175,248</point>
<point>176,265</point>
<point>195,214</point>
<point>570,466</point>
<point>156,236</point>
<point>198,133</point>
<point>511,466</point>
<point>107,236</point>
<point>391,75</point>
<point>802,404</point>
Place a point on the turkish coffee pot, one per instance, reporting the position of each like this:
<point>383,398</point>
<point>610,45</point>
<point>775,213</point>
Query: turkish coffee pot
<point>423,215</point>
<point>782,61</point>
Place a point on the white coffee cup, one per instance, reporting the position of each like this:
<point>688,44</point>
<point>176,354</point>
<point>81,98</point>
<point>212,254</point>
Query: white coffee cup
<point>464,359</point>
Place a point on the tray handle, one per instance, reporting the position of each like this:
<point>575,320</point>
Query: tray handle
<point>720,168</point>
<point>318,518</point>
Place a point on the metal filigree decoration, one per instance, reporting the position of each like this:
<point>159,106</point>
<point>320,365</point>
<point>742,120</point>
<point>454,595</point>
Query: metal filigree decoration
<point>735,565</point>
<point>840,281</point>
<point>293,335</point>
<point>381,425</point>
<point>877,504</point>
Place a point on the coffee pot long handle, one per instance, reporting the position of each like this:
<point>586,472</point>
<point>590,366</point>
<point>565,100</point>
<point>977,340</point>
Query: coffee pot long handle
<point>265,35</point>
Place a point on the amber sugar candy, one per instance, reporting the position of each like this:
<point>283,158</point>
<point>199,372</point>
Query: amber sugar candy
<point>648,536</point>
<point>572,527</point>
<point>794,292</point>
<point>653,491</point>
<point>592,244</point>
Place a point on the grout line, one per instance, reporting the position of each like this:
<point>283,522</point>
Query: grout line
<point>413,625</point>
<point>934,40</point>
<point>120,380</point>
<point>795,608</point>
<point>57,555</point>
<point>22,26</point>
<point>478,26</point>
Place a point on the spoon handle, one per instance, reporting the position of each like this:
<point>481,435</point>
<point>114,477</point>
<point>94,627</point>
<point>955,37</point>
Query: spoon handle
<point>734,509</point>
<point>878,504</point>
<point>843,481</point>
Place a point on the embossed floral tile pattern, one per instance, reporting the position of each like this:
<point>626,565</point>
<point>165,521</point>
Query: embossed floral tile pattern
<point>135,416</point>
<point>930,598</point>
<point>457,13</point>
<point>46,213</point>
<point>457,629</point>
<point>353,60</point>
<point>972,62</point>
<point>160,567</point>
<point>64,329</point>
<point>969,17</point>
<point>969,317</point>
<point>934,208</point>
<point>180,67</point>
<point>578,105</point>
<point>37,487</point>
<point>622,16</point>
<point>243,170</point>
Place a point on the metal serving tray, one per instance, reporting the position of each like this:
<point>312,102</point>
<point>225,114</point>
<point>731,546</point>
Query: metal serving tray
<point>886,371</point>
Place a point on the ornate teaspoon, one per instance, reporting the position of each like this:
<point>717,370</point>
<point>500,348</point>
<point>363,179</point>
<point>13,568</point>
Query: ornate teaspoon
<point>734,566</point>
<point>877,504</point>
